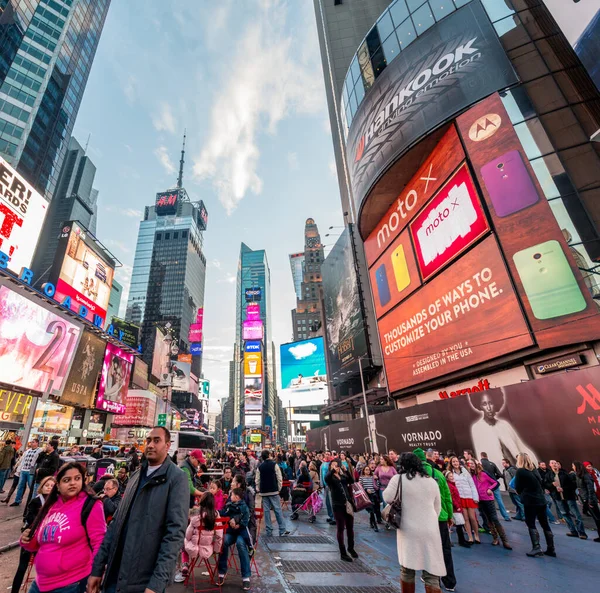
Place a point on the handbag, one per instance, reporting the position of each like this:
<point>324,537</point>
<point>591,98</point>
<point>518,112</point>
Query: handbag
<point>361,498</point>
<point>392,514</point>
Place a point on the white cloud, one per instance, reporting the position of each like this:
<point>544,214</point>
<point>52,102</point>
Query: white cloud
<point>129,149</point>
<point>292,159</point>
<point>228,278</point>
<point>162,155</point>
<point>303,350</point>
<point>131,212</point>
<point>215,263</point>
<point>264,83</point>
<point>164,120</point>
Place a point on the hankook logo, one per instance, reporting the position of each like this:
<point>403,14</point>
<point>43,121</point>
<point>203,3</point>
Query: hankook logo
<point>448,64</point>
<point>485,127</point>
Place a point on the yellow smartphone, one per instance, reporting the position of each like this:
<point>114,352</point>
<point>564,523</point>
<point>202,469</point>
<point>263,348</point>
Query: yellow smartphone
<point>400,268</point>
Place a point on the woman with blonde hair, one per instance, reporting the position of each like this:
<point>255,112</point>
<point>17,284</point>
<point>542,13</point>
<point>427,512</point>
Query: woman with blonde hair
<point>528,484</point>
<point>469,498</point>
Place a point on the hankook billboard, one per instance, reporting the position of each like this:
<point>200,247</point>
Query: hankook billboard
<point>457,62</point>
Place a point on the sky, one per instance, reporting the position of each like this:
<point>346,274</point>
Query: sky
<point>244,78</point>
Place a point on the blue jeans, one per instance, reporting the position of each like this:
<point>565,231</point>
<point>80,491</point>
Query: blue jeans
<point>3,475</point>
<point>572,516</point>
<point>25,479</point>
<point>500,503</point>
<point>78,587</point>
<point>328,504</point>
<point>516,500</point>
<point>242,548</point>
<point>273,502</point>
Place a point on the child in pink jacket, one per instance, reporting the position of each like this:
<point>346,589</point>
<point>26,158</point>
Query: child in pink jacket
<point>216,489</point>
<point>201,538</point>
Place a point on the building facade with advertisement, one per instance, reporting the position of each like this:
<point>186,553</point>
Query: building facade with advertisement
<point>47,49</point>
<point>473,178</point>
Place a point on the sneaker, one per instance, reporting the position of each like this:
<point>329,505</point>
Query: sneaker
<point>285,534</point>
<point>185,569</point>
<point>556,523</point>
<point>221,580</point>
<point>179,578</point>
<point>583,536</point>
<point>572,534</point>
<point>508,519</point>
<point>15,504</point>
<point>246,584</point>
<point>449,588</point>
<point>597,540</point>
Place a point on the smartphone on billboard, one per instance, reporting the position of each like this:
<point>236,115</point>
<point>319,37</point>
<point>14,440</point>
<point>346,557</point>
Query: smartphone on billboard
<point>509,184</point>
<point>400,268</point>
<point>383,288</point>
<point>548,280</point>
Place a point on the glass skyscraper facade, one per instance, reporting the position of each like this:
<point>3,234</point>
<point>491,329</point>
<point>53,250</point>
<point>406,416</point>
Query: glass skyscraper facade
<point>46,52</point>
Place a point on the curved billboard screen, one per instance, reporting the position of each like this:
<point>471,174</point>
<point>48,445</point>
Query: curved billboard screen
<point>453,65</point>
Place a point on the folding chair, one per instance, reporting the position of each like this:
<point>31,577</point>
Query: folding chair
<point>221,524</point>
<point>28,578</point>
<point>285,504</point>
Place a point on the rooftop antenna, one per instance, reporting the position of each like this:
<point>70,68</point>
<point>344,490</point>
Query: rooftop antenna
<point>181,162</point>
<point>88,142</point>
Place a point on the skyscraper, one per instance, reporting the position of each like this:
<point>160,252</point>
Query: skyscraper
<point>114,302</point>
<point>306,317</point>
<point>169,269</point>
<point>297,266</point>
<point>74,199</point>
<point>46,52</point>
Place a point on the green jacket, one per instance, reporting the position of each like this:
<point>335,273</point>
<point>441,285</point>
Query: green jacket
<point>447,510</point>
<point>6,456</point>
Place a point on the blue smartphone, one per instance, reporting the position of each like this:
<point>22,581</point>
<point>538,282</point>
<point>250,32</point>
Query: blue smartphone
<point>383,288</point>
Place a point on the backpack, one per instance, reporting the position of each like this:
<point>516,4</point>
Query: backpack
<point>88,505</point>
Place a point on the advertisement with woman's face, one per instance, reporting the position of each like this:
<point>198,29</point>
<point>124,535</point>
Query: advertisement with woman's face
<point>114,381</point>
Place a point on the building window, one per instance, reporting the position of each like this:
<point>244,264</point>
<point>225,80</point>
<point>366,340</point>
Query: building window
<point>176,235</point>
<point>158,236</point>
<point>167,236</point>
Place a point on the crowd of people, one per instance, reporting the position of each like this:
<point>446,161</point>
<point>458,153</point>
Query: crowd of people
<point>85,537</point>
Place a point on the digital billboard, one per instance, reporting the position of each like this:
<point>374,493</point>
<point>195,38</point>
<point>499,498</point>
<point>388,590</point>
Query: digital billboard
<point>253,420</point>
<point>303,373</point>
<point>22,214</point>
<point>449,224</point>
<point>80,386</point>
<point>345,322</point>
<point>81,273</point>
<point>114,380</point>
<point>195,332</point>
<point>252,346</point>
<point>200,316</point>
<point>253,311</point>
<point>253,395</point>
<point>140,374</point>
<point>252,329</point>
<point>196,348</point>
<point>161,356</point>
<point>184,358</point>
<point>140,409</point>
<point>203,216</point>
<point>125,332</point>
<point>457,62</point>
<point>166,202</point>
<point>181,375</point>
<point>37,346</point>
<point>253,294</point>
<point>252,364</point>
<point>51,419</point>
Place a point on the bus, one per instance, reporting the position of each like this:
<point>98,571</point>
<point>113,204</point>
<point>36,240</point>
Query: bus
<point>184,442</point>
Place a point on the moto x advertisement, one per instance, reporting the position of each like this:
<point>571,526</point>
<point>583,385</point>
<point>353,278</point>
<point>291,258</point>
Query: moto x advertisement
<point>456,63</point>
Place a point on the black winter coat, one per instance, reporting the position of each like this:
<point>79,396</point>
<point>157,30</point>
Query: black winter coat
<point>567,483</point>
<point>339,489</point>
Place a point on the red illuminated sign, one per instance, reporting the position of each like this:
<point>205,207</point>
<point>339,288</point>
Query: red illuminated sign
<point>166,202</point>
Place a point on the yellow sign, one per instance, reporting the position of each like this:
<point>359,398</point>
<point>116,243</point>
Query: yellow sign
<point>14,406</point>
<point>255,438</point>
<point>252,364</point>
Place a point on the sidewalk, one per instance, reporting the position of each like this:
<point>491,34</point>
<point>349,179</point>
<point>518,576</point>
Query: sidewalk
<point>11,521</point>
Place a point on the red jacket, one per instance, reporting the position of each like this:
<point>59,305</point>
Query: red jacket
<point>455,497</point>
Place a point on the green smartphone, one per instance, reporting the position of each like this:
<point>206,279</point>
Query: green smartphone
<point>548,280</point>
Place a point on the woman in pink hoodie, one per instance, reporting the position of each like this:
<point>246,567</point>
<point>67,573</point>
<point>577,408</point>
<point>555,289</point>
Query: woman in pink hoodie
<point>64,546</point>
<point>486,485</point>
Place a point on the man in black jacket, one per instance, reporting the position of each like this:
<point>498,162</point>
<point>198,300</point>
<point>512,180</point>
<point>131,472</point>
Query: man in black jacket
<point>47,464</point>
<point>491,469</point>
<point>563,489</point>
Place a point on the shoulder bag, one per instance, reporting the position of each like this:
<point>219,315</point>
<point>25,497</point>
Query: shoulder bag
<point>361,498</point>
<point>392,514</point>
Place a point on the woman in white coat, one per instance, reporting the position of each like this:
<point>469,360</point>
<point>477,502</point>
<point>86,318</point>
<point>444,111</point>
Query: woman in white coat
<point>419,541</point>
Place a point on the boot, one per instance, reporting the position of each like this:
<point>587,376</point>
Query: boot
<point>432,589</point>
<point>549,544</point>
<point>462,541</point>
<point>344,555</point>
<point>536,551</point>
<point>407,587</point>
<point>494,533</point>
<point>503,537</point>
<point>372,521</point>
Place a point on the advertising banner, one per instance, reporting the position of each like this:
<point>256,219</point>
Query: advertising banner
<point>343,310</point>
<point>114,380</point>
<point>82,273</point>
<point>252,330</point>
<point>37,346</point>
<point>253,420</point>
<point>50,420</point>
<point>303,373</point>
<point>22,214</point>
<point>126,332</point>
<point>161,356</point>
<point>205,388</point>
<point>196,348</point>
<point>449,224</point>
<point>200,317</point>
<point>140,374</point>
<point>203,216</point>
<point>253,395</point>
<point>558,305</point>
<point>195,333</point>
<point>191,419</point>
<point>80,386</point>
<point>14,407</point>
<point>253,311</point>
<point>96,426</point>
<point>181,375</point>
<point>252,346</point>
<point>252,364</point>
<point>253,294</point>
<point>457,62</point>
<point>467,314</point>
<point>166,203</point>
<point>184,358</point>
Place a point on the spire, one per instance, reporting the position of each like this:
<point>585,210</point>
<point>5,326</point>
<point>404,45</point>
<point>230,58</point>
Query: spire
<point>181,162</point>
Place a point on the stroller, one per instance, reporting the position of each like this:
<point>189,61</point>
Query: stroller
<point>306,501</point>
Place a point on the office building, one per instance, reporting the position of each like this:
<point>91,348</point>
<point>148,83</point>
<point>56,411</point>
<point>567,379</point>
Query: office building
<point>297,267</point>
<point>114,301</point>
<point>46,52</point>
<point>74,199</point>
<point>306,317</point>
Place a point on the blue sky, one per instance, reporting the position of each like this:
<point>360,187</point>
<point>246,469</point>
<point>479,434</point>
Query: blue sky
<point>244,78</point>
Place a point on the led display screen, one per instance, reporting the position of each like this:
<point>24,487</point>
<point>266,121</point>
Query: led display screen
<point>252,330</point>
<point>114,381</point>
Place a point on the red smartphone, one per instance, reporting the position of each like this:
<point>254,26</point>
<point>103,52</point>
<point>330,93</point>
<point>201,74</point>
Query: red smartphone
<point>509,184</point>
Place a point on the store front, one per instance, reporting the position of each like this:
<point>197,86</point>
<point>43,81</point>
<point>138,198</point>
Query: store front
<point>52,421</point>
<point>14,409</point>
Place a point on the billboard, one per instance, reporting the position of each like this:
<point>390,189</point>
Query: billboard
<point>37,346</point>
<point>253,395</point>
<point>22,214</point>
<point>196,348</point>
<point>252,329</point>
<point>457,62</point>
<point>114,380</point>
<point>252,346</point>
<point>140,409</point>
<point>343,309</point>
<point>140,374</point>
<point>82,273</point>
<point>203,216</point>
<point>253,420</point>
<point>200,316</point>
<point>252,364</point>
<point>451,222</point>
<point>161,356</point>
<point>166,203</point>
<point>303,373</point>
<point>50,420</point>
<point>205,388</point>
<point>253,311</point>
<point>253,294</point>
<point>195,332</point>
<point>181,375</point>
<point>80,386</point>
<point>184,358</point>
<point>467,314</point>
<point>125,332</point>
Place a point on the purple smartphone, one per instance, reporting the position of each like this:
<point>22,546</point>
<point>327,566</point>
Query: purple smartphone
<point>509,184</point>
